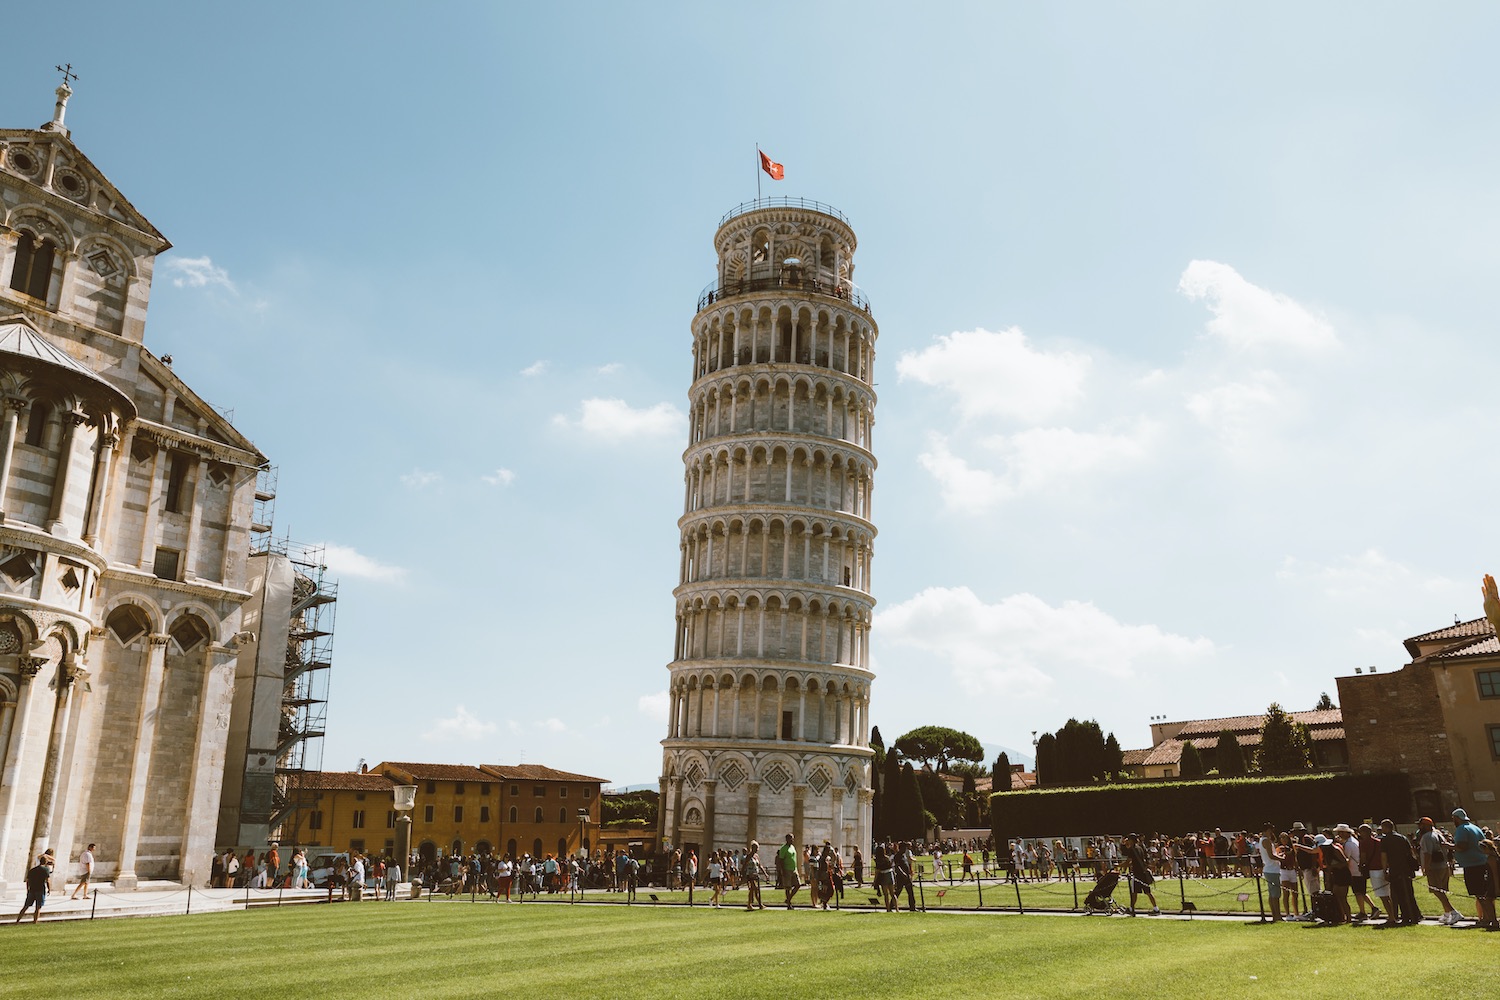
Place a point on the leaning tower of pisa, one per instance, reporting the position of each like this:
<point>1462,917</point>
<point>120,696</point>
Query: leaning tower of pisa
<point>770,677</point>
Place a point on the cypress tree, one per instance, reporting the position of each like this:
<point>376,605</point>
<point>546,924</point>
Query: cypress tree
<point>1230,758</point>
<point>1190,764</point>
<point>1047,767</point>
<point>1000,774</point>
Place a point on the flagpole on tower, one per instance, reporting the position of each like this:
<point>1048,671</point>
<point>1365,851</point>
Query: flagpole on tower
<point>757,171</point>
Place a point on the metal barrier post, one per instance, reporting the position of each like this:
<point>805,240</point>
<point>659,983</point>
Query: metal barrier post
<point>280,890</point>
<point>921,891</point>
<point>1260,899</point>
<point>1182,889</point>
<point>979,882</point>
<point>1073,874</point>
<point>95,904</point>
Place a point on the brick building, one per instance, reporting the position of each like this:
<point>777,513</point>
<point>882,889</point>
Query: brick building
<point>1164,758</point>
<point>1437,720</point>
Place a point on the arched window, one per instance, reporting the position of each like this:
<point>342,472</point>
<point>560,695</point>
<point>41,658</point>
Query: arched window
<point>514,815</point>
<point>483,847</point>
<point>32,273</point>
<point>536,848</point>
<point>128,623</point>
<point>562,847</point>
<point>458,848</point>
<point>510,847</point>
<point>36,424</point>
<point>562,815</point>
<point>190,631</point>
<point>539,814</point>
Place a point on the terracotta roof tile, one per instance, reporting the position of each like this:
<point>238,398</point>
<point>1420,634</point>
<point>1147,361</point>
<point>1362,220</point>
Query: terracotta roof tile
<point>537,772</point>
<point>1239,724</point>
<point>437,772</point>
<point>1487,645</point>
<point>1134,757</point>
<point>1458,630</point>
<point>339,781</point>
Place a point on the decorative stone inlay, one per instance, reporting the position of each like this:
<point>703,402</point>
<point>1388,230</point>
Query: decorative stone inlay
<point>777,777</point>
<point>10,638</point>
<point>24,161</point>
<point>850,781</point>
<point>70,183</point>
<point>819,781</point>
<point>732,775</point>
<point>693,775</point>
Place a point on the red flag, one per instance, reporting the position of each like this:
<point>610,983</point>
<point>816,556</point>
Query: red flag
<point>771,167</point>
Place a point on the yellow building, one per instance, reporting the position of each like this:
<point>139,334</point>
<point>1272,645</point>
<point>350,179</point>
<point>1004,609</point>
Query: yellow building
<point>342,810</point>
<point>546,811</point>
<point>458,807</point>
<point>495,808</point>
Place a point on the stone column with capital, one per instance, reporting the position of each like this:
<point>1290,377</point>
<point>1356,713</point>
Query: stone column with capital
<point>13,410</point>
<point>710,787</point>
<point>799,802</point>
<point>64,812</point>
<point>104,449</point>
<point>57,740</point>
<point>206,779</point>
<point>70,421</point>
<point>20,743</point>
<point>140,765</point>
<point>752,818</point>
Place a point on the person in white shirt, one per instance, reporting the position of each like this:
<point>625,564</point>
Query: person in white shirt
<point>357,878</point>
<point>86,863</point>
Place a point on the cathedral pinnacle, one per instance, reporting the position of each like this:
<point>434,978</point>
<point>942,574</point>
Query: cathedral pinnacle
<point>63,93</point>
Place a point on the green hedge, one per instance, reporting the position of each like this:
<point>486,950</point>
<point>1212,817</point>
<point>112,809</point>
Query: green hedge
<point>1180,806</point>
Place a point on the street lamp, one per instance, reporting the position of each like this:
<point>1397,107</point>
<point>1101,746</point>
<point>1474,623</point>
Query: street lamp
<point>583,851</point>
<point>405,797</point>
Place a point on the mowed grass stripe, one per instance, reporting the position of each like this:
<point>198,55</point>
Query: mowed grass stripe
<point>475,950</point>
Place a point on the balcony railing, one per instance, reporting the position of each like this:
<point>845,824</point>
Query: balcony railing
<point>786,281</point>
<point>759,203</point>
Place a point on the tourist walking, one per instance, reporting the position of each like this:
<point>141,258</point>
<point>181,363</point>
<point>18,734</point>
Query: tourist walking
<point>750,873</point>
<point>1479,878</point>
<point>37,880</point>
<point>85,872</point>
<point>786,870</point>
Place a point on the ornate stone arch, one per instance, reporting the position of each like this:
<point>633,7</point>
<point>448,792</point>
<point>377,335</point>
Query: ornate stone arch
<point>43,223</point>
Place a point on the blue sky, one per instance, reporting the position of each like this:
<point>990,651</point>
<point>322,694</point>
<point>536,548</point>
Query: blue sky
<point>1186,361</point>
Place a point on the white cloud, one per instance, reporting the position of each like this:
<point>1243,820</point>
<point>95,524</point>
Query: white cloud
<point>500,477</point>
<point>1363,576</point>
<point>609,369</point>
<point>463,726</point>
<point>196,272</point>
<point>1241,412</point>
<point>999,374</point>
<point>655,706</point>
<point>1031,461</point>
<point>418,479</point>
<point>1023,647</point>
<point>535,369</point>
<point>552,725</point>
<point>343,560</point>
<point>615,420</point>
<point>1247,316</point>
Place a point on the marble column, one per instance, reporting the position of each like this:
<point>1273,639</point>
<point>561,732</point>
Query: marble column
<point>710,787</point>
<point>13,409</point>
<point>140,766</point>
<point>206,779</point>
<point>71,422</point>
<point>20,734</point>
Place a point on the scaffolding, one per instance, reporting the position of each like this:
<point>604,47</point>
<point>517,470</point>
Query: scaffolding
<point>304,695</point>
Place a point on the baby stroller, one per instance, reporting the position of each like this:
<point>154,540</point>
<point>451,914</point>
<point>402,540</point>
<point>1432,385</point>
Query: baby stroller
<point>1101,898</point>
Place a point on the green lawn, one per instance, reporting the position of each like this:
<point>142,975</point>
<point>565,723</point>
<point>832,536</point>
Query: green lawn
<point>1220,895</point>
<point>458,949</point>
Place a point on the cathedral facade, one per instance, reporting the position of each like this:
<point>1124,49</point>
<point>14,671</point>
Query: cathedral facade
<point>769,696</point>
<point>126,514</point>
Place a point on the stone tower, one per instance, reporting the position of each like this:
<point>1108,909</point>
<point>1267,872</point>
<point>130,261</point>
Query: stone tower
<point>770,686</point>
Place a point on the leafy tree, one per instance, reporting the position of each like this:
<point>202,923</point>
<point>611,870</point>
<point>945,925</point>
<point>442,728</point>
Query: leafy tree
<point>1077,754</point>
<point>637,808</point>
<point>1284,744</point>
<point>937,745</point>
<point>1000,773</point>
<point>1229,756</point>
<point>909,822</point>
<point>1324,703</point>
<point>937,798</point>
<point>974,813</point>
<point>1190,763</point>
<point>966,769</point>
<point>1114,757</point>
<point>1047,770</point>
